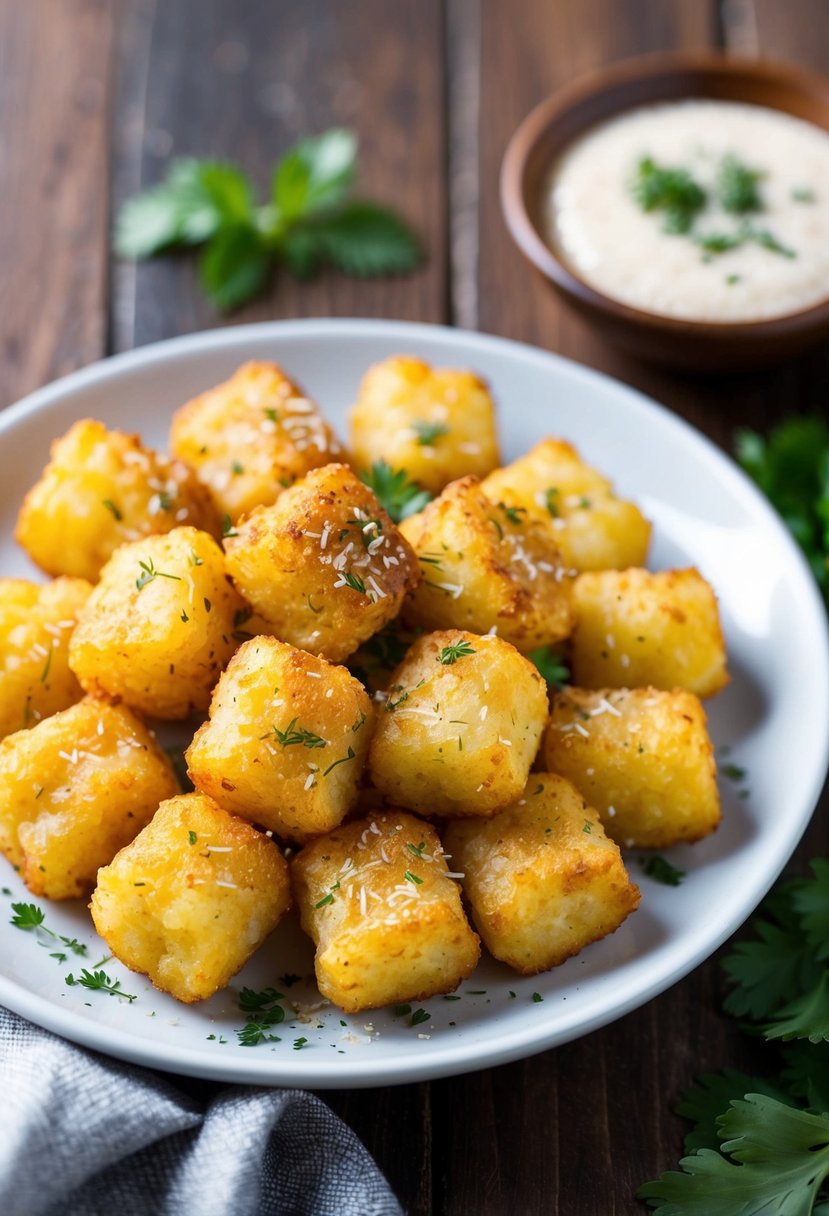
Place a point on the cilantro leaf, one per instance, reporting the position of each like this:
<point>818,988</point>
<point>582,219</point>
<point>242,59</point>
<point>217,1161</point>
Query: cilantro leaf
<point>780,1158</point>
<point>806,1017</point>
<point>810,900</point>
<point>773,968</point>
<point>234,266</point>
<point>398,496</point>
<point>703,1104</point>
<point>806,1072</point>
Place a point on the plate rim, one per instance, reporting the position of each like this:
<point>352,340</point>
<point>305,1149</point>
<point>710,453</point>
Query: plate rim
<point>359,1071</point>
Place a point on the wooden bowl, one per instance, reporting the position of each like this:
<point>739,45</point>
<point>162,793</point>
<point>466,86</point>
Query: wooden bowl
<point>542,137</point>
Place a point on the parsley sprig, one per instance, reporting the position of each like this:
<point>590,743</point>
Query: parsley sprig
<point>761,1145</point>
<point>32,919</point>
<point>99,981</point>
<point>398,496</point>
<point>791,467</point>
<point>309,221</point>
<point>550,666</point>
<point>263,1012</point>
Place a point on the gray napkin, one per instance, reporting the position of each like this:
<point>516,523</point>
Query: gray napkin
<point>81,1135</point>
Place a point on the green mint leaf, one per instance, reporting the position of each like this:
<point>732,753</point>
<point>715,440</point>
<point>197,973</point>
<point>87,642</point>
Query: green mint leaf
<point>234,266</point>
<point>302,251</point>
<point>229,190</point>
<point>314,175</point>
<point>365,239</point>
<point>780,1159</point>
<point>177,211</point>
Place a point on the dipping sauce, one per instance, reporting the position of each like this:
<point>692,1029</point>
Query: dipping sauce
<point>704,210</point>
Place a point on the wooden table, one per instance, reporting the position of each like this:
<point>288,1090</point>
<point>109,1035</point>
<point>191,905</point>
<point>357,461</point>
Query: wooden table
<point>95,97</point>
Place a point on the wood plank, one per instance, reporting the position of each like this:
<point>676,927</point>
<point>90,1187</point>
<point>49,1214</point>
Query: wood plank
<point>54,85</point>
<point>242,83</point>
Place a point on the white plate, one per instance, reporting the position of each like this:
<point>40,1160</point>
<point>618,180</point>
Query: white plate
<point>774,716</point>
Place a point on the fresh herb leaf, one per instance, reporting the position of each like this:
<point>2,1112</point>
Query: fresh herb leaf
<point>149,573</point>
<point>28,916</point>
<point>309,221</point>
<point>661,870</point>
<point>398,496</point>
<point>350,755</point>
<point>550,666</point>
<point>738,187</point>
<point>419,1016</point>
<point>250,1000</point>
<point>354,582</point>
<point>110,506</point>
<point>703,1103</point>
<point>413,878</point>
<point>99,981</point>
<point>293,734</point>
<point>791,467</point>
<point>263,1012</point>
<point>670,190</point>
<point>779,1160</point>
<point>457,650</point>
<point>428,432</point>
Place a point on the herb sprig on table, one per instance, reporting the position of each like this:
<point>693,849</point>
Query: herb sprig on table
<point>761,1145</point>
<point>309,221</point>
<point>791,467</point>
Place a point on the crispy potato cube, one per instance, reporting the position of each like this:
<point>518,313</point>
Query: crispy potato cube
<point>594,529</point>
<point>461,726</point>
<point>251,437</point>
<point>36,623</point>
<point>642,757</point>
<point>542,878</point>
<point>487,565</point>
<point>100,489</point>
<point>324,565</point>
<point>386,919</point>
<point>634,628</point>
<point>286,740</point>
<point>158,628</point>
<point>191,898</point>
<point>437,424</point>
<point>73,790</point>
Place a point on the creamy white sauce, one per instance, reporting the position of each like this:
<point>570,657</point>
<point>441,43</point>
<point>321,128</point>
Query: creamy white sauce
<point>597,227</point>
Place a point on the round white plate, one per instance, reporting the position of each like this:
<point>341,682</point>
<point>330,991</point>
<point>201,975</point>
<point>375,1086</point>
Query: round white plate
<point>774,717</point>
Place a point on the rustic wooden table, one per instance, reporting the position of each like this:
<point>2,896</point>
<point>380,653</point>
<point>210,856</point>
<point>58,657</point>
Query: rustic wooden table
<point>95,97</point>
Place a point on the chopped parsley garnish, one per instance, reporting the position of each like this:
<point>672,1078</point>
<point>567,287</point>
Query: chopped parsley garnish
<point>414,878</point>
<point>737,187</point>
<point>398,496</point>
<point>293,735</point>
<point>734,772</point>
<point>328,898</point>
<point>428,432</point>
<point>802,194</point>
<point>300,1043</point>
<point>513,514</point>
<point>537,998</point>
<point>271,413</point>
<point>99,981</point>
<point>429,559</point>
<point>588,827</point>
<point>551,497</point>
<point>110,506</point>
<point>195,560</point>
<point>419,1016</point>
<point>150,573</point>
<point>417,849</point>
<point>661,870</point>
<point>358,722</point>
<point>289,979</point>
<point>400,1011</point>
<point>237,468</point>
<point>671,191</point>
<point>192,837</point>
<point>263,1012</point>
<point>227,528</point>
<point>457,650</point>
<point>44,675</point>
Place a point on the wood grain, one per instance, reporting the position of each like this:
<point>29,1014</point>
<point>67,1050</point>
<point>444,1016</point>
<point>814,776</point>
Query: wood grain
<point>54,85</point>
<point>242,82</point>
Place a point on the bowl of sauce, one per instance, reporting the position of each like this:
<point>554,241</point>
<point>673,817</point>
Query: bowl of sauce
<point>682,201</point>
